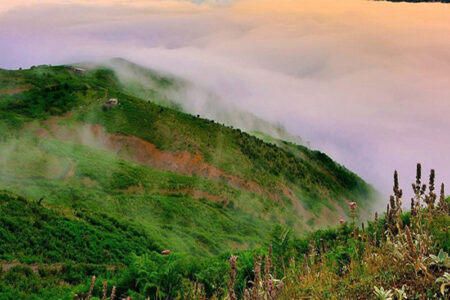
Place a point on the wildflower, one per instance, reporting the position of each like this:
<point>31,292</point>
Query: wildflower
<point>113,293</point>
<point>352,206</point>
<point>165,252</point>
<point>443,205</point>
<point>233,259</point>
<point>431,197</point>
<point>105,289</point>
<point>341,221</point>
<point>91,288</point>
<point>231,293</point>
<point>397,191</point>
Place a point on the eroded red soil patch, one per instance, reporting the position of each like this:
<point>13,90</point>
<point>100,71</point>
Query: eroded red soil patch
<point>14,91</point>
<point>145,153</point>
<point>182,162</point>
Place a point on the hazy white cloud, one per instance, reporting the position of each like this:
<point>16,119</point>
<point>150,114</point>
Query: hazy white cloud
<point>367,82</point>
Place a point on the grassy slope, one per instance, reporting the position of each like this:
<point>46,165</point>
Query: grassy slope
<point>90,219</point>
<point>87,243</point>
<point>65,249</point>
<point>32,233</point>
<point>174,220</point>
<point>101,181</point>
<point>170,91</point>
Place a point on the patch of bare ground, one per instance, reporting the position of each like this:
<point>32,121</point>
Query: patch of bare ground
<point>14,91</point>
<point>147,154</point>
<point>88,182</point>
<point>6,266</point>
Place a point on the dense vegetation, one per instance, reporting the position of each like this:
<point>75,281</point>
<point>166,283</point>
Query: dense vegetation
<point>107,188</point>
<point>395,256</point>
<point>32,233</point>
<point>174,219</point>
<point>217,215</point>
<point>231,150</point>
<point>191,184</point>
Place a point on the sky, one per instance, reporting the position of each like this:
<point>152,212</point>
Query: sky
<point>367,82</point>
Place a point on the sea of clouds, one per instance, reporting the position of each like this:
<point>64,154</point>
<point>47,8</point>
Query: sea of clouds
<point>367,82</point>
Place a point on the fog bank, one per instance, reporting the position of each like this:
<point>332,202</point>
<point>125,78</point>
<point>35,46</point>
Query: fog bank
<point>367,82</point>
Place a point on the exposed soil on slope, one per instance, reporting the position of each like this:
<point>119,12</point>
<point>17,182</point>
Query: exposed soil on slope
<point>147,154</point>
<point>182,162</point>
<point>14,91</point>
<point>6,266</point>
<point>140,151</point>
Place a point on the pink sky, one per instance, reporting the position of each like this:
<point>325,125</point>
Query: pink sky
<point>366,82</point>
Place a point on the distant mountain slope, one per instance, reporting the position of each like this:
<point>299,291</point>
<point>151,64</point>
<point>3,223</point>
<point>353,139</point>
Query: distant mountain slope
<point>192,184</point>
<point>183,95</point>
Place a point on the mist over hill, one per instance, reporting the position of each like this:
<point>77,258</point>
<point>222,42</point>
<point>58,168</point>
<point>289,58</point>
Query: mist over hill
<point>181,94</point>
<point>350,77</point>
<point>173,173</point>
<point>224,149</point>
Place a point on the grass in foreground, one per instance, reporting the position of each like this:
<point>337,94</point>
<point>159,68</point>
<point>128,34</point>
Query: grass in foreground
<point>396,256</point>
<point>400,256</point>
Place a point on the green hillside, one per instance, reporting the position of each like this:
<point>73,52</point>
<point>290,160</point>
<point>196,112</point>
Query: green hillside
<point>183,95</point>
<point>162,204</point>
<point>32,233</point>
<point>189,183</point>
<point>102,182</point>
<point>52,253</point>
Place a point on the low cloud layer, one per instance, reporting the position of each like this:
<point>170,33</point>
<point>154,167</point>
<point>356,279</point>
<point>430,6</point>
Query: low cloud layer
<point>367,82</point>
